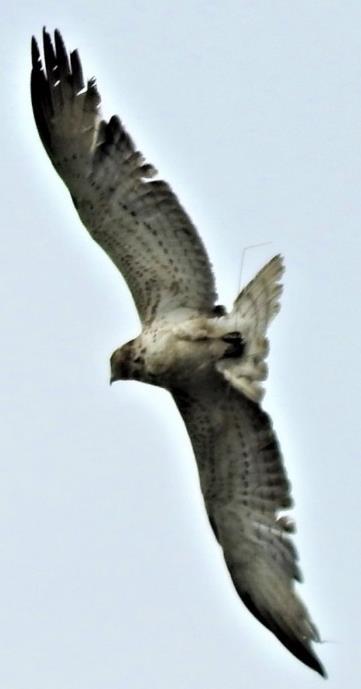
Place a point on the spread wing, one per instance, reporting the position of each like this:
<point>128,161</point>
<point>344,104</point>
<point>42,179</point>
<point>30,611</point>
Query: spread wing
<point>137,220</point>
<point>245,487</point>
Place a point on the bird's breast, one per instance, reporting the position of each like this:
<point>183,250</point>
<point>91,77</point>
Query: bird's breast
<point>176,353</point>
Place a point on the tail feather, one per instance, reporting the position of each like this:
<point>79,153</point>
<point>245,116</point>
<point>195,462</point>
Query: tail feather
<point>260,298</point>
<point>252,312</point>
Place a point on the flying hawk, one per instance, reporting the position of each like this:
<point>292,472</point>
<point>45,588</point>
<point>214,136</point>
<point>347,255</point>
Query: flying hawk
<point>211,361</point>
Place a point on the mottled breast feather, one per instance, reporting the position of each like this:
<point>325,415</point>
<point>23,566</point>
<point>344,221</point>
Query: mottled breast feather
<point>137,220</point>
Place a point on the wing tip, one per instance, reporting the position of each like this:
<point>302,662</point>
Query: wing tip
<point>77,70</point>
<point>299,646</point>
<point>35,53</point>
<point>320,669</point>
<point>58,36</point>
<point>303,651</point>
<point>310,659</point>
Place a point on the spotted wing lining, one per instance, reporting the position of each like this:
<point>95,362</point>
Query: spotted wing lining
<point>136,219</point>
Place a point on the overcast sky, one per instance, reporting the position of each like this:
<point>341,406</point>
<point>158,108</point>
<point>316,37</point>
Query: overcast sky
<point>110,575</point>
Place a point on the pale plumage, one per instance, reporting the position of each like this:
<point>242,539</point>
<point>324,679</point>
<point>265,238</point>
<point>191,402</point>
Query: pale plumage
<point>212,362</point>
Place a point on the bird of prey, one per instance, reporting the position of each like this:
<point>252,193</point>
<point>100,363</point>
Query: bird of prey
<point>210,360</point>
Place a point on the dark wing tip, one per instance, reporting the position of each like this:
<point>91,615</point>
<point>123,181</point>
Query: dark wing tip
<point>35,53</point>
<point>61,54</point>
<point>303,653</point>
<point>77,71</point>
<point>321,670</point>
<point>40,94</point>
<point>299,647</point>
<point>58,37</point>
<point>56,61</point>
<point>54,80</point>
<point>49,55</point>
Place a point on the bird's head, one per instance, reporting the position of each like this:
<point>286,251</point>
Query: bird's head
<point>125,364</point>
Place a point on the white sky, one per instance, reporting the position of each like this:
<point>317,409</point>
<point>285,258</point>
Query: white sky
<point>110,576</point>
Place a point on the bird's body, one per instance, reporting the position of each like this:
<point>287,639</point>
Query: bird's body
<point>212,362</point>
<point>169,353</point>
